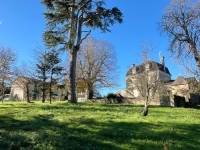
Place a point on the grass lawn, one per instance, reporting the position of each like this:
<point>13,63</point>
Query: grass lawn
<point>94,126</point>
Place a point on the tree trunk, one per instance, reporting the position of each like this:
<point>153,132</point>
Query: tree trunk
<point>90,91</point>
<point>73,57</point>
<point>72,77</point>
<point>50,94</point>
<point>91,94</point>
<point>27,94</point>
<point>3,90</point>
<point>43,95</point>
<point>194,48</point>
<point>3,96</point>
<point>196,57</point>
<point>50,89</point>
<point>145,110</point>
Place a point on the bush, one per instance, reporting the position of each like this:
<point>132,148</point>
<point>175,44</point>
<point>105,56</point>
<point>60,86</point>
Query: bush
<point>114,98</point>
<point>111,95</point>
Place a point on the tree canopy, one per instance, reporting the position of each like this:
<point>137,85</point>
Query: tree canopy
<point>66,20</point>
<point>180,22</point>
<point>7,67</point>
<point>97,65</point>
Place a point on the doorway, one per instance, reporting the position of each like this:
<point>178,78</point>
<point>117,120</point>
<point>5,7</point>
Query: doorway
<point>179,101</point>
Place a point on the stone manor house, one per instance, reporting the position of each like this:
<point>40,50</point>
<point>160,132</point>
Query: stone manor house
<point>179,91</point>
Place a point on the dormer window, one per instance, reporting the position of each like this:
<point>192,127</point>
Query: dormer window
<point>133,70</point>
<point>147,67</point>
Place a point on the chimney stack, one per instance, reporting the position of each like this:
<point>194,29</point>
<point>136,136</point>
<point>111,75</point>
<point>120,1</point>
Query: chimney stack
<point>133,69</point>
<point>162,61</point>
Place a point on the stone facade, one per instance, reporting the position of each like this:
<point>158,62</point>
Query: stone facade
<point>151,69</point>
<point>184,90</point>
<point>20,85</point>
<point>179,91</point>
<point>19,88</point>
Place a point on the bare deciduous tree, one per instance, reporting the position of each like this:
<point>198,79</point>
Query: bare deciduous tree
<point>180,22</point>
<point>7,67</point>
<point>145,80</point>
<point>96,66</point>
<point>147,84</point>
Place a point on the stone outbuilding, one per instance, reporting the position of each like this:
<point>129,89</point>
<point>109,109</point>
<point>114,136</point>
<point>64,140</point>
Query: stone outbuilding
<point>184,90</point>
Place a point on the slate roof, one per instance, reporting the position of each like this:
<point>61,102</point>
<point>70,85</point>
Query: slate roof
<point>152,66</point>
<point>26,78</point>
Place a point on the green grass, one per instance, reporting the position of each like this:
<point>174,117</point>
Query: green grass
<point>94,126</point>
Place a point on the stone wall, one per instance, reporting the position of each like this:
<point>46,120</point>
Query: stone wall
<point>164,101</point>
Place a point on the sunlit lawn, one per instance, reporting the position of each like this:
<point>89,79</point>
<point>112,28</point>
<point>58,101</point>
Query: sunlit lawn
<point>94,126</point>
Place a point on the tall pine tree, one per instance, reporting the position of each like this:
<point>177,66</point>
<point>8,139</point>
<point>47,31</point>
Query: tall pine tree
<point>54,69</point>
<point>42,68</point>
<point>65,21</point>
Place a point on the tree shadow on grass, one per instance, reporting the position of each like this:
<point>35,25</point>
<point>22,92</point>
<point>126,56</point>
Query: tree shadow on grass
<point>42,132</point>
<point>150,136</point>
<point>45,131</point>
<point>92,107</point>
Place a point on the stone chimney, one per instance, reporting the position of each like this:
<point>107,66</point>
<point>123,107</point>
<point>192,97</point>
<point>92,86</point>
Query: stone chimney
<point>162,61</point>
<point>133,69</point>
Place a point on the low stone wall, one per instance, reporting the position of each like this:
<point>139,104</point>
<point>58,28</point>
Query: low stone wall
<point>139,101</point>
<point>163,102</point>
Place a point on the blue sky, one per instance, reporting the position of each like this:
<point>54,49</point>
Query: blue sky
<point>22,24</point>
